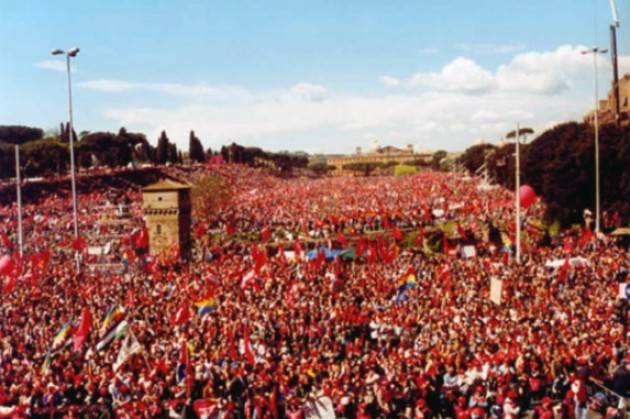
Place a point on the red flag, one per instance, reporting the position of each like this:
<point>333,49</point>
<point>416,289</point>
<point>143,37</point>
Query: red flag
<point>4,241</point>
<point>249,353</point>
<point>79,244</point>
<point>6,264</point>
<point>462,232</point>
<point>200,230</point>
<point>372,255</point>
<point>230,229</point>
<point>297,248</point>
<point>130,299</point>
<point>140,239</point>
<point>182,315</point>
<point>563,272</point>
<point>9,284</point>
<point>360,247</point>
<point>265,234</point>
<point>231,344</point>
<point>445,247</point>
<point>342,239</point>
<point>419,240</point>
<point>587,235</point>
<point>260,258</point>
<point>397,234</point>
<point>80,336</point>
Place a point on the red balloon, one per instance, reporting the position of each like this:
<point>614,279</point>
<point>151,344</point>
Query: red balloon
<point>527,196</point>
<point>5,264</point>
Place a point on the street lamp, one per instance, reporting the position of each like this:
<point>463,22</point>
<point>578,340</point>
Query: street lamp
<point>517,181</point>
<point>71,53</point>
<point>596,51</point>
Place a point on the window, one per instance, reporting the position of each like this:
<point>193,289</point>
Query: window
<point>158,229</point>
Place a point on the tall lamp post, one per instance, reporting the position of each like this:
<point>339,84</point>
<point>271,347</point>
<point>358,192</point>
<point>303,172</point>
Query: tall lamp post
<point>596,51</point>
<point>69,54</point>
<point>517,181</point>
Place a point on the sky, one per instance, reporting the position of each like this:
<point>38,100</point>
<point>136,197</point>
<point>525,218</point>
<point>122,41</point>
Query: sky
<point>316,76</point>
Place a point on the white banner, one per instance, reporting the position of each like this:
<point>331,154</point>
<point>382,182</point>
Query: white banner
<point>496,288</point>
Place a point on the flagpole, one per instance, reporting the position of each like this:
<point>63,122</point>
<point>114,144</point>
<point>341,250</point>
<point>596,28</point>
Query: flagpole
<point>517,197</point>
<point>18,187</point>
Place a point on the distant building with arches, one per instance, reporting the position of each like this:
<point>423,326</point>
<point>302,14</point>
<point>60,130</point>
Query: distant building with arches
<point>385,154</point>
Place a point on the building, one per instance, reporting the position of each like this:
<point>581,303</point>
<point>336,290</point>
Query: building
<point>606,111</point>
<point>385,154</point>
<point>167,209</point>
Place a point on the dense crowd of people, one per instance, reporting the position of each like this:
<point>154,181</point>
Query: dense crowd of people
<point>311,297</point>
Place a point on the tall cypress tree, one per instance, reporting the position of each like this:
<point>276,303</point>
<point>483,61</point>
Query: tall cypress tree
<point>162,151</point>
<point>195,149</point>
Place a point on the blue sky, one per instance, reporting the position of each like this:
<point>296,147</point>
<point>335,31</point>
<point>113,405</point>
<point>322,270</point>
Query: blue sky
<point>320,76</point>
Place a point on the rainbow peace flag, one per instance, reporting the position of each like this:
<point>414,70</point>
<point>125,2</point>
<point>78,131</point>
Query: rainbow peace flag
<point>207,305</point>
<point>114,314</point>
<point>62,335</point>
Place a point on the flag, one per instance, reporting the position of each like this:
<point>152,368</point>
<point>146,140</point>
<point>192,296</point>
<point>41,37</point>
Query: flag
<point>445,247</point>
<point>79,244</point>
<point>182,315</point>
<point>207,305</point>
<point>341,238</point>
<point>140,239</point>
<point>563,272</point>
<point>205,408</point>
<point>408,279</point>
<point>129,347</point>
<point>115,333</point>
<point>249,353</point>
<point>81,335</point>
<point>6,265</point>
<point>587,235</point>
<point>248,279</point>
<point>112,317</point>
<point>265,234</point>
<point>462,232</point>
<point>200,230</point>
<point>397,234</point>
<point>297,248</point>
<point>46,365</point>
<point>62,335</point>
<point>184,369</point>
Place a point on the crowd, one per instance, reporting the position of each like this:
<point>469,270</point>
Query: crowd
<point>267,322</point>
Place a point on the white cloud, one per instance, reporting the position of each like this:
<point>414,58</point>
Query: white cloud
<point>55,65</point>
<point>175,89</point>
<point>490,48</point>
<point>546,73</point>
<point>390,81</point>
<point>458,104</point>
<point>460,75</point>
<point>309,92</point>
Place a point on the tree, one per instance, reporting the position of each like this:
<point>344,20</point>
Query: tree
<point>173,156</point>
<point>475,156</point>
<point>43,157</point>
<point>320,168</point>
<point>195,149</point>
<point>208,194</point>
<point>436,159</point>
<point>19,134</point>
<point>162,150</point>
<point>362,167</point>
<point>109,149</point>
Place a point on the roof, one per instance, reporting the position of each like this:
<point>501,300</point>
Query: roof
<point>166,185</point>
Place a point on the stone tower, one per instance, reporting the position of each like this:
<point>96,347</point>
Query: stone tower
<point>167,209</point>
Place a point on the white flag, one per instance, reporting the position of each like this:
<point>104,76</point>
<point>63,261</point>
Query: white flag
<point>129,347</point>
